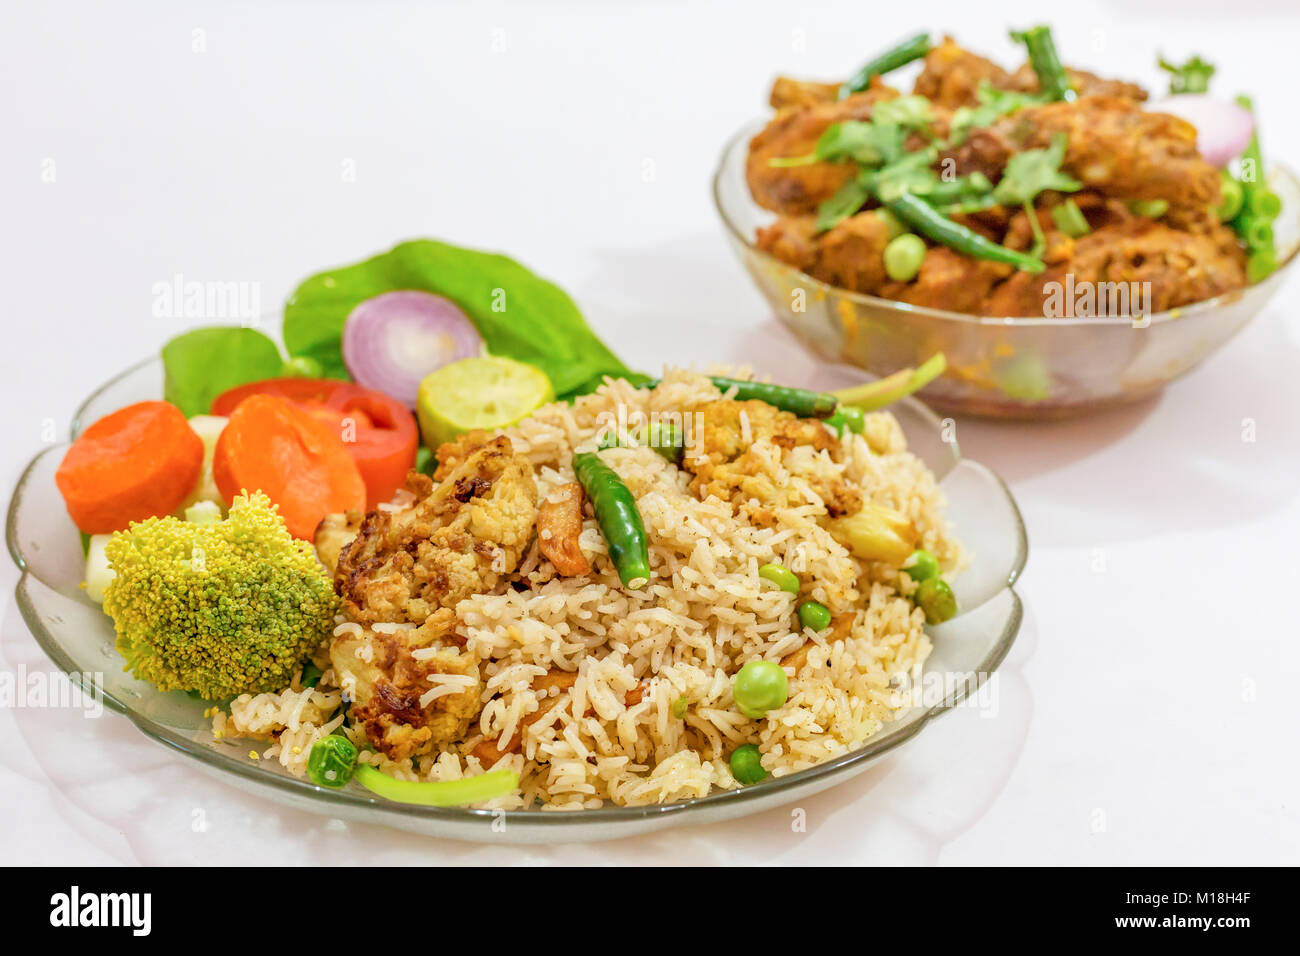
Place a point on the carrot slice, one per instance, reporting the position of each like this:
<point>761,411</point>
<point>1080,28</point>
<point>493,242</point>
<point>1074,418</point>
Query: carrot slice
<point>295,459</point>
<point>136,463</point>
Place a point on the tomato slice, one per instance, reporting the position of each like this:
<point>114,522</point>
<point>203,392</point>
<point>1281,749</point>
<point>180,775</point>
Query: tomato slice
<point>378,430</point>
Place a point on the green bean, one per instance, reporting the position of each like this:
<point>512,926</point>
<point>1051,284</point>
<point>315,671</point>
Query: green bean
<point>1053,81</point>
<point>935,598</point>
<point>814,614</point>
<point>937,227</point>
<point>439,793</point>
<point>747,765</point>
<point>903,257</point>
<point>904,53</point>
<point>331,761</point>
<point>1070,220</point>
<point>618,517</point>
<point>800,401</point>
<point>781,576</point>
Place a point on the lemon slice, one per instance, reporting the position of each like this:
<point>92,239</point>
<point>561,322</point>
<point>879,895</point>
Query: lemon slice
<point>487,393</point>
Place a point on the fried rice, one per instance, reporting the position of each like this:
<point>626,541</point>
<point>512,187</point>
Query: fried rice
<point>645,714</point>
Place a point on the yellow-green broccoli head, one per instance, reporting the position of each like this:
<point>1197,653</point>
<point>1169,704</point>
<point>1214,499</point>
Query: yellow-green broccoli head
<point>222,608</point>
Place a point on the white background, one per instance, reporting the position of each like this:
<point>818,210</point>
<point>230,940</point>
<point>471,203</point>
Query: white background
<point>1148,712</point>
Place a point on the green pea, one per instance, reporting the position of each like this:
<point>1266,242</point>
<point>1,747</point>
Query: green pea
<point>903,257</point>
<point>815,615</point>
<point>332,761</point>
<point>680,706</point>
<point>936,599</point>
<point>760,686</point>
<point>921,565</point>
<point>302,366</point>
<point>747,764</point>
<point>781,576</point>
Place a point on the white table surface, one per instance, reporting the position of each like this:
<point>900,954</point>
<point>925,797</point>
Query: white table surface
<point>1147,712</point>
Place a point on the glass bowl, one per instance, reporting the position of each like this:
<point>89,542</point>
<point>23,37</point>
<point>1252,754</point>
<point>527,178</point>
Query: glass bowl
<point>78,637</point>
<point>1029,368</point>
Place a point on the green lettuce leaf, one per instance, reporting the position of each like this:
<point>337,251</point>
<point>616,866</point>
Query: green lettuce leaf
<point>201,364</point>
<point>520,315</point>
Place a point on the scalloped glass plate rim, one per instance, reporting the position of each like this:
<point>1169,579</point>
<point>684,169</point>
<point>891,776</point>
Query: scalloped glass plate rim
<point>300,789</point>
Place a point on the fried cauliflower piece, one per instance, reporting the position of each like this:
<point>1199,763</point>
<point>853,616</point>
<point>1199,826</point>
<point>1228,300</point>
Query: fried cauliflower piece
<point>463,536</point>
<point>389,673</point>
<point>333,534</point>
<point>728,459</point>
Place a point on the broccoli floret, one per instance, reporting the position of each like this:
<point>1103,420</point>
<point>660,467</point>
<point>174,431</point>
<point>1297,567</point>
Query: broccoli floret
<point>224,608</point>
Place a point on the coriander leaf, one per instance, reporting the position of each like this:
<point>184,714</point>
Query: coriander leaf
<point>201,364</point>
<point>848,199</point>
<point>519,314</point>
<point>994,104</point>
<point>1029,173</point>
<point>870,144</point>
<point>911,112</point>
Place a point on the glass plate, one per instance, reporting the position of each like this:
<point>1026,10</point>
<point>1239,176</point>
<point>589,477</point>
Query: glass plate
<point>78,637</point>
<point>1031,368</point>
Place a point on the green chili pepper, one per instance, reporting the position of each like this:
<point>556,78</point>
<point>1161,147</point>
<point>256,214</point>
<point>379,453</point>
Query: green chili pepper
<point>618,517</point>
<point>439,793</point>
<point>1053,81</point>
<point>799,401</point>
<point>934,225</point>
<point>904,53</point>
<point>667,439</point>
<point>332,761</point>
